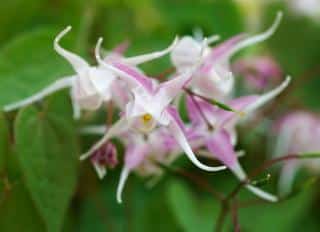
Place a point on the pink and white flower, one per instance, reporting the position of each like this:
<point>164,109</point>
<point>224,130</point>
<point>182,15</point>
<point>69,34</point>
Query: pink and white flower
<point>220,136</point>
<point>150,106</point>
<point>297,133</point>
<point>215,78</point>
<point>259,72</point>
<point>91,85</point>
<point>143,153</point>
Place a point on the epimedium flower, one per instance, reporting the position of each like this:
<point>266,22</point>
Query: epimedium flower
<point>143,153</point>
<point>150,106</point>
<point>91,85</point>
<point>296,133</point>
<point>215,78</point>
<point>217,129</point>
<point>259,72</point>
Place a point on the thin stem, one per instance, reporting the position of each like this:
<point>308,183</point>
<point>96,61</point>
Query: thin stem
<point>190,92</point>
<point>210,126</point>
<point>213,102</point>
<point>110,109</point>
<point>234,216</point>
<point>272,162</point>
<point>222,217</point>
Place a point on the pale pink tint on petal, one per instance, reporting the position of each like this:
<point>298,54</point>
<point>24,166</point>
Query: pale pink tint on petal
<point>181,139</point>
<point>238,104</point>
<point>219,52</point>
<point>219,144</point>
<point>175,115</point>
<point>121,48</point>
<point>298,132</point>
<point>135,154</point>
<point>259,72</point>
<point>138,77</point>
<point>193,110</point>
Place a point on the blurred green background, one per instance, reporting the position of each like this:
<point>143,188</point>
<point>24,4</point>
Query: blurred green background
<point>43,186</point>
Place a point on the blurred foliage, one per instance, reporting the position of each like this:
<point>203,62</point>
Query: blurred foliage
<point>42,188</point>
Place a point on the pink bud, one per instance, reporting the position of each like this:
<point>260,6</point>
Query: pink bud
<point>106,155</point>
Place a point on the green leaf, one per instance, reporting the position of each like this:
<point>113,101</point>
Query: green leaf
<point>17,213</point>
<point>46,150</point>
<point>283,216</point>
<point>193,214</point>
<point>29,63</point>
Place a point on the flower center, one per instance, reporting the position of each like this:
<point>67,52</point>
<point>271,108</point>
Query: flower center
<point>146,118</point>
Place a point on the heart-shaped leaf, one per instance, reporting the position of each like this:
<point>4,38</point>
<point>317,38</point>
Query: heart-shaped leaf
<point>46,150</point>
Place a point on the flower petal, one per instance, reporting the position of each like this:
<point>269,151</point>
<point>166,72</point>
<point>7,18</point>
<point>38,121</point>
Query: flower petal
<point>263,99</point>
<point>123,178</point>
<point>178,134</point>
<point>100,170</point>
<point>136,60</point>
<point>62,83</point>
<point>128,74</point>
<point>287,176</point>
<point>262,194</point>
<point>238,171</point>
<point>121,48</point>
<point>76,61</point>
<point>219,144</point>
<point>257,38</point>
<point>119,127</point>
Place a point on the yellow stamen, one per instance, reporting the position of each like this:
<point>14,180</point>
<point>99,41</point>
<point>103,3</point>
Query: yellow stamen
<point>146,118</point>
<point>241,113</point>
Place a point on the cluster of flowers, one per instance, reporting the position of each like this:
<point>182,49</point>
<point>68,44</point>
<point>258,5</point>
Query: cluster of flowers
<point>149,124</point>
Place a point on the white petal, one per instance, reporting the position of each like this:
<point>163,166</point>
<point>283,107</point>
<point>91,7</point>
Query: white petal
<point>123,178</point>
<point>213,38</point>
<point>76,108</point>
<point>238,171</point>
<point>287,176</point>
<point>100,170</point>
<point>124,76</point>
<point>117,128</point>
<point>182,141</point>
<point>134,61</point>
<point>57,85</point>
<point>263,99</point>
<point>102,80</point>
<point>258,38</point>
<point>76,61</point>
<point>262,194</point>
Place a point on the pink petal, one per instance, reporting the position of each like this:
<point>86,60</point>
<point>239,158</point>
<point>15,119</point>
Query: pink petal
<point>135,154</point>
<point>181,139</point>
<point>121,48</point>
<point>219,144</point>
<point>138,77</point>
<point>238,104</point>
